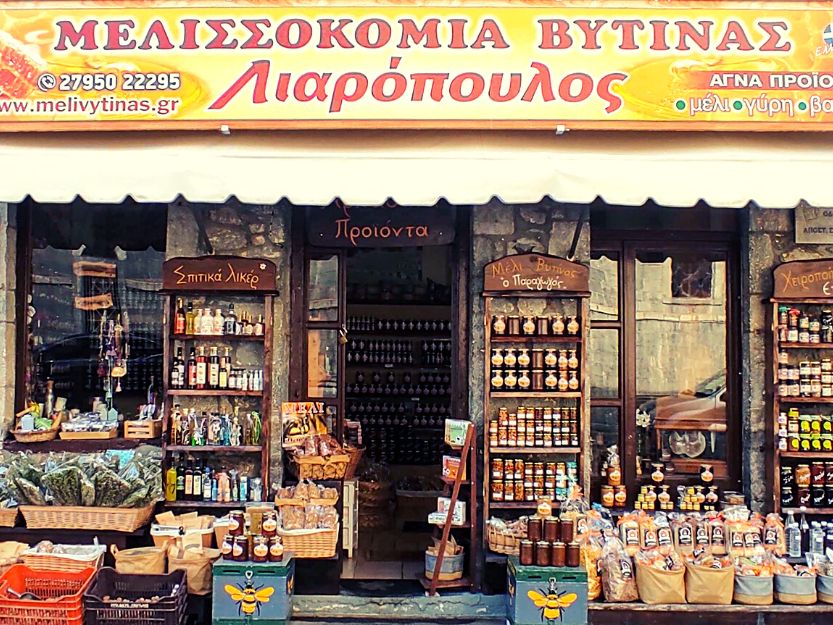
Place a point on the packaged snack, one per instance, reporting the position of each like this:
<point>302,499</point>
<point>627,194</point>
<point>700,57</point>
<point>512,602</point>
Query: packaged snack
<point>774,535</point>
<point>312,517</point>
<point>647,532</point>
<point>292,517</point>
<point>618,581</point>
<point>717,533</point>
<point>589,556</point>
<point>683,532</point>
<point>665,535</point>
<point>629,532</point>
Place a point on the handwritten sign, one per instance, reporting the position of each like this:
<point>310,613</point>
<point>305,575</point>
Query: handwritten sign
<point>804,278</point>
<point>535,272</point>
<point>219,273</point>
<point>363,226</point>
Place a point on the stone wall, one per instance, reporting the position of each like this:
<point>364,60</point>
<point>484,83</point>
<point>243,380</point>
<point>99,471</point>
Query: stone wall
<point>257,232</point>
<point>770,241</point>
<point>498,230</point>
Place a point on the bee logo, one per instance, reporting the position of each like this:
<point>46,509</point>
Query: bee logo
<point>249,597</point>
<point>551,602</point>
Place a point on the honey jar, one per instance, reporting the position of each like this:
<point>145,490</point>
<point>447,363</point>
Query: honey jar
<point>260,548</point>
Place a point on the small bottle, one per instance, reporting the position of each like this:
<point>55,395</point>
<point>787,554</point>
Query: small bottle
<point>179,319</point>
<point>230,321</point>
<point>793,536</point>
<point>207,322</point>
<point>217,323</point>
<point>197,329</point>
<point>259,326</point>
<point>189,318</point>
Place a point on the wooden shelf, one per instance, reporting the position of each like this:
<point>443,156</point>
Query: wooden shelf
<point>536,339</point>
<point>80,445</point>
<point>534,450</point>
<point>519,505</point>
<point>805,345</point>
<point>824,455</point>
<point>808,511</point>
<point>205,504</point>
<point>221,337</point>
<point>181,392</point>
<point>805,400</point>
<point>217,449</point>
<point>537,394</point>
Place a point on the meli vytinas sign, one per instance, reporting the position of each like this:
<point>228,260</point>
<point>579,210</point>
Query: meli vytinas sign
<point>278,65</point>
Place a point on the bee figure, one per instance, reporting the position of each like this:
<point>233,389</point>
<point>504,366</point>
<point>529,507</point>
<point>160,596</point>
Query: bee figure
<point>551,602</point>
<point>249,597</point>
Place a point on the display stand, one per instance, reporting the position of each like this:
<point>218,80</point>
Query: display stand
<point>467,461</point>
<point>800,285</point>
<point>216,282</point>
<point>562,288</point>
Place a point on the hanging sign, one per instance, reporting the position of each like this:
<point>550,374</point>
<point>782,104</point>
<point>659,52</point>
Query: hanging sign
<point>219,273</point>
<point>803,278</point>
<point>535,272</point>
<point>364,226</point>
<point>135,65</point>
<point>813,224</point>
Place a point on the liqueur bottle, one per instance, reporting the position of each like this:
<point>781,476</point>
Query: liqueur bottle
<point>179,319</point>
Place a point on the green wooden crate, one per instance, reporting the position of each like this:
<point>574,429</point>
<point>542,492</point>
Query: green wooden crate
<point>539,595</point>
<point>253,592</point>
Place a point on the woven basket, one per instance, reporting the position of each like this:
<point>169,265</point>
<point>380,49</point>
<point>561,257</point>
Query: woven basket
<point>310,543</point>
<point>319,468</point>
<point>503,543</point>
<point>355,454</point>
<point>76,518</point>
<point>40,436</point>
<point>8,517</point>
<point>67,563</point>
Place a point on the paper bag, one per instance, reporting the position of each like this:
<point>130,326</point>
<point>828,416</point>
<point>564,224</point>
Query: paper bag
<point>656,586</point>
<point>144,560</point>
<point>703,584</point>
<point>196,561</point>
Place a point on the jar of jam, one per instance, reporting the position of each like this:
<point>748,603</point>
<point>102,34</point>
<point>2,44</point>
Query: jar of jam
<point>787,497</point>
<point>620,496</point>
<point>817,496</point>
<point>614,475</point>
<point>269,523</point>
<point>240,550</point>
<point>787,477</point>
<point>559,554</point>
<point>237,523</point>
<point>817,474</point>
<point>542,553</point>
<point>803,498</point>
<point>514,325</point>
<point>275,549</point>
<point>260,548</point>
<point>497,490</point>
<point>534,529</point>
<point>551,530</point>
<point>828,472</point>
<point>527,553</point>
<point>573,554</point>
<point>803,477</point>
<point>607,496</point>
<point>227,547</point>
<point>499,325</point>
<point>567,531</point>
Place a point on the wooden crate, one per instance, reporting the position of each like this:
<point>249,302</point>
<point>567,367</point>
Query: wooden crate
<point>143,429</point>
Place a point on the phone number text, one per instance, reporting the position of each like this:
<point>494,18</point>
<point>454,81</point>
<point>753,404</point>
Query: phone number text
<point>170,81</point>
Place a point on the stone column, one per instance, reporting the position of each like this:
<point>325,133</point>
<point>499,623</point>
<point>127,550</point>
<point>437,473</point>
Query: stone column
<point>8,323</point>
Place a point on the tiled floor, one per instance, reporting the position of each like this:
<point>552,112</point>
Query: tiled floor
<point>359,568</point>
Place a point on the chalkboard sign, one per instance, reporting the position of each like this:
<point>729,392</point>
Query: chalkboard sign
<point>804,279</point>
<point>535,272</point>
<point>219,273</point>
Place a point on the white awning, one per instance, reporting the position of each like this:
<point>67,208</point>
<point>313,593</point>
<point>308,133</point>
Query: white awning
<point>419,168</point>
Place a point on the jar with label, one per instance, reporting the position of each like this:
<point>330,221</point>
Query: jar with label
<point>614,475</point>
<point>509,358</point>
<point>620,496</point>
<point>607,496</point>
<point>227,547</point>
<point>275,549</point>
<point>514,325</point>
<point>260,548</point>
<point>817,474</point>
<point>237,523</point>
<point>523,359</point>
<point>499,325</point>
<point>558,325</point>
<point>497,358</point>
<point>497,379</point>
<point>510,380</point>
<point>803,477</point>
<point>269,524</point>
<point>240,550</point>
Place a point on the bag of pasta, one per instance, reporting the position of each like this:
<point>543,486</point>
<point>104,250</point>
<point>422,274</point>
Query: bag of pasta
<point>618,581</point>
<point>590,554</point>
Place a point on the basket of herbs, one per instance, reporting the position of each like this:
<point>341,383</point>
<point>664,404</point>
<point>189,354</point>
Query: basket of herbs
<point>101,491</point>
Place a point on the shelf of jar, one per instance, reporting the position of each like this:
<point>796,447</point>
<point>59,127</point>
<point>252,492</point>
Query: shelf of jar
<point>786,345</point>
<point>218,449</point>
<point>538,394</point>
<point>535,339</point>
<point>182,392</point>
<point>519,505</point>
<point>218,337</point>
<point>804,400</point>
<point>824,455</point>
<point>535,450</point>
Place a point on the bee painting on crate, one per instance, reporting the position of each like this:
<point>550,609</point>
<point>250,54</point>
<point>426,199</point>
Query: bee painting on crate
<point>249,597</point>
<point>551,602</point>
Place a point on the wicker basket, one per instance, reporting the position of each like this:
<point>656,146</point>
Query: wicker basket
<point>76,518</point>
<point>310,543</point>
<point>355,454</point>
<point>8,517</point>
<point>502,543</point>
<point>39,436</point>
<point>319,468</point>
<point>85,557</point>
<point>305,502</point>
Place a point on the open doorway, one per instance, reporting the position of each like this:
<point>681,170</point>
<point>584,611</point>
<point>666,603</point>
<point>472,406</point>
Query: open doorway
<point>388,323</point>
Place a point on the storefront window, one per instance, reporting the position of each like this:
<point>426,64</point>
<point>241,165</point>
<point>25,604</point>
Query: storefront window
<point>603,348</point>
<point>323,289</point>
<point>322,363</point>
<point>95,312</point>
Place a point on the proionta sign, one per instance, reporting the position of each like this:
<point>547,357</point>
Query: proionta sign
<point>99,65</point>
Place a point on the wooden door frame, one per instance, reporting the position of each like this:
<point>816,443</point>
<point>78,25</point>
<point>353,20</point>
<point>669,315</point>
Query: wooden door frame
<point>627,243</point>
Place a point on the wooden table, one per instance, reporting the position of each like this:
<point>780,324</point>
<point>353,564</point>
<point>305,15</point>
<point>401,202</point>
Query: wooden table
<point>640,614</point>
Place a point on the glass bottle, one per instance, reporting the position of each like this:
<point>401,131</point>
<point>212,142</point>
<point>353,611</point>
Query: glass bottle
<point>509,359</point>
<point>497,380</point>
<point>499,325</point>
<point>572,326</point>
<point>510,380</point>
<point>259,326</point>
<point>524,381</point>
<point>523,358</point>
<point>572,361</point>
<point>558,325</point>
<point>573,382</point>
<point>528,326</point>
<point>207,322</point>
<point>218,323</point>
<point>563,382</point>
<point>189,318</point>
<point>497,358</point>
<point>198,321</point>
<point>179,319</point>
<point>551,381</point>
<point>550,359</point>
<point>562,359</point>
<point>230,322</point>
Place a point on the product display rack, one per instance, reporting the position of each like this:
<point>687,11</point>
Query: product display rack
<point>810,298</point>
<point>259,300</point>
<point>504,290</point>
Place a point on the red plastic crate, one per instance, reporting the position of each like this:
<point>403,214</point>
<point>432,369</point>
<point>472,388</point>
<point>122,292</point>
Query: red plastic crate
<point>60,596</point>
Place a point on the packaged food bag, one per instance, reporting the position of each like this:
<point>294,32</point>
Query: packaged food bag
<point>590,554</point>
<point>660,579</point>
<point>709,581</point>
<point>196,561</point>
<point>618,581</point>
<point>142,560</point>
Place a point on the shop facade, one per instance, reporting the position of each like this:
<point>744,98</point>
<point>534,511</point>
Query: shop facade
<point>681,219</point>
